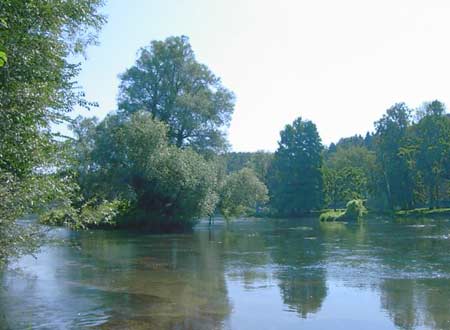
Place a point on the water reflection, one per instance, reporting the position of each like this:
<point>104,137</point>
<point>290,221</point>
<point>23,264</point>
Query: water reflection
<point>251,274</point>
<point>122,281</point>
<point>299,253</point>
<point>413,303</point>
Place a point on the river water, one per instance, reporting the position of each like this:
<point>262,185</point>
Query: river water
<point>251,274</point>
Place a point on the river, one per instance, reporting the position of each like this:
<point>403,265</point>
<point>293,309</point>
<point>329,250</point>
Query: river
<point>252,274</point>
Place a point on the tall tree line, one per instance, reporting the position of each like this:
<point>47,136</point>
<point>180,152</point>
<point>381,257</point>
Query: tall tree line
<point>403,164</point>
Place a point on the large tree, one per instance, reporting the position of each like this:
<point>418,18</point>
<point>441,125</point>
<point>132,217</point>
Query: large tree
<point>37,89</point>
<point>130,159</point>
<point>391,136</point>
<point>296,173</point>
<point>432,149</point>
<point>168,82</point>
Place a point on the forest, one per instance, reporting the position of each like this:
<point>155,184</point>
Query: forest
<point>161,161</point>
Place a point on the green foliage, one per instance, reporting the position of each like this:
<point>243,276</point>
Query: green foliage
<point>431,149</point>
<point>354,211</point>
<point>3,58</point>
<point>259,162</point>
<point>168,82</point>
<point>91,214</point>
<point>296,172</point>
<point>396,177</point>
<point>408,167</point>
<point>59,217</point>
<point>350,172</point>
<point>37,90</point>
<point>423,212</point>
<point>330,216</point>
<point>236,161</point>
<point>351,142</point>
<point>131,159</point>
<point>241,193</point>
<point>170,108</point>
<point>343,184</point>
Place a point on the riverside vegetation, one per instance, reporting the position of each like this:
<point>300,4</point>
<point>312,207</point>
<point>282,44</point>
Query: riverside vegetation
<point>161,160</point>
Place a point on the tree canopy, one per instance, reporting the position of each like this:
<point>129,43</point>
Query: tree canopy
<point>241,192</point>
<point>168,82</point>
<point>296,174</point>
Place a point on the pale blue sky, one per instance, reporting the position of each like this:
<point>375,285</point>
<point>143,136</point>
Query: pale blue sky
<point>337,63</point>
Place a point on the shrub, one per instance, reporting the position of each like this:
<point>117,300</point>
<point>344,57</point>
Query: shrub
<point>241,193</point>
<point>331,216</point>
<point>355,210</point>
<point>60,216</point>
<point>91,214</point>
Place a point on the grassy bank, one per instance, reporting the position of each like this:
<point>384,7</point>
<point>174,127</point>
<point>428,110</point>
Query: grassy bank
<point>354,211</point>
<point>331,215</point>
<point>423,212</point>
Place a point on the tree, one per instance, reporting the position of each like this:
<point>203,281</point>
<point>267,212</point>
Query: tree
<point>352,141</point>
<point>165,187</point>
<point>296,173</point>
<point>432,149</point>
<point>343,184</point>
<point>81,148</point>
<point>241,192</point>
<point>235,161</point>
<point>350,168</point>
<point>37,88</point>
<point>169,83</point>
<point>260,163</point>
<point>390,139</point>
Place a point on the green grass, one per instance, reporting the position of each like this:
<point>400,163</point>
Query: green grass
<point>423,212</point>
<point>329,216</point>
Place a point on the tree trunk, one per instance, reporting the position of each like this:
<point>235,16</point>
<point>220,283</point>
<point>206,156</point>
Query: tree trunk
<point>430,197</point>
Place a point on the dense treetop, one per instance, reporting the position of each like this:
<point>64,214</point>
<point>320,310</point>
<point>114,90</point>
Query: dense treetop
<point>296,177</point>
<point>169,83</point>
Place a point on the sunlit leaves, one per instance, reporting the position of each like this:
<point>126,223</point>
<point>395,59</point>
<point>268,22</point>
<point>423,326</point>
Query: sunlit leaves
<point>168,82</point>
<point>3,58</point>
<point>241,193</point>
<point>38,88</point>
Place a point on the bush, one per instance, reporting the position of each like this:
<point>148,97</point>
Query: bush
<point>241,193</point>
<point>355,210</point>
<point>167,187</point>
<point>91,214</point>
<point>60,216</point>
<point>331,216</point>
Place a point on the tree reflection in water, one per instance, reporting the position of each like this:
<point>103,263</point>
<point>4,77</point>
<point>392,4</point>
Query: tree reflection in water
<point>299,254</point>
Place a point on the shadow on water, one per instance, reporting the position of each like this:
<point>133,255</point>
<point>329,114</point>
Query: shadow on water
<point>250,274</point>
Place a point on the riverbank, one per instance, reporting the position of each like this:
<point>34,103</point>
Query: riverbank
<point>423,212</point>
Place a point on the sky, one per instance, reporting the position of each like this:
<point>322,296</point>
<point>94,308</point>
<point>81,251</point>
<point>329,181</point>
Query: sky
<point>340,63</point>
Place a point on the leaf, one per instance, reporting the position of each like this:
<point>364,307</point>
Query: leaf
<point>3,23</point>
<point>3,58</point>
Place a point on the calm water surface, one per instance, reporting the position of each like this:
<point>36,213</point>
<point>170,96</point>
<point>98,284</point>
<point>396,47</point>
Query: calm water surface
<point>253,274</point>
